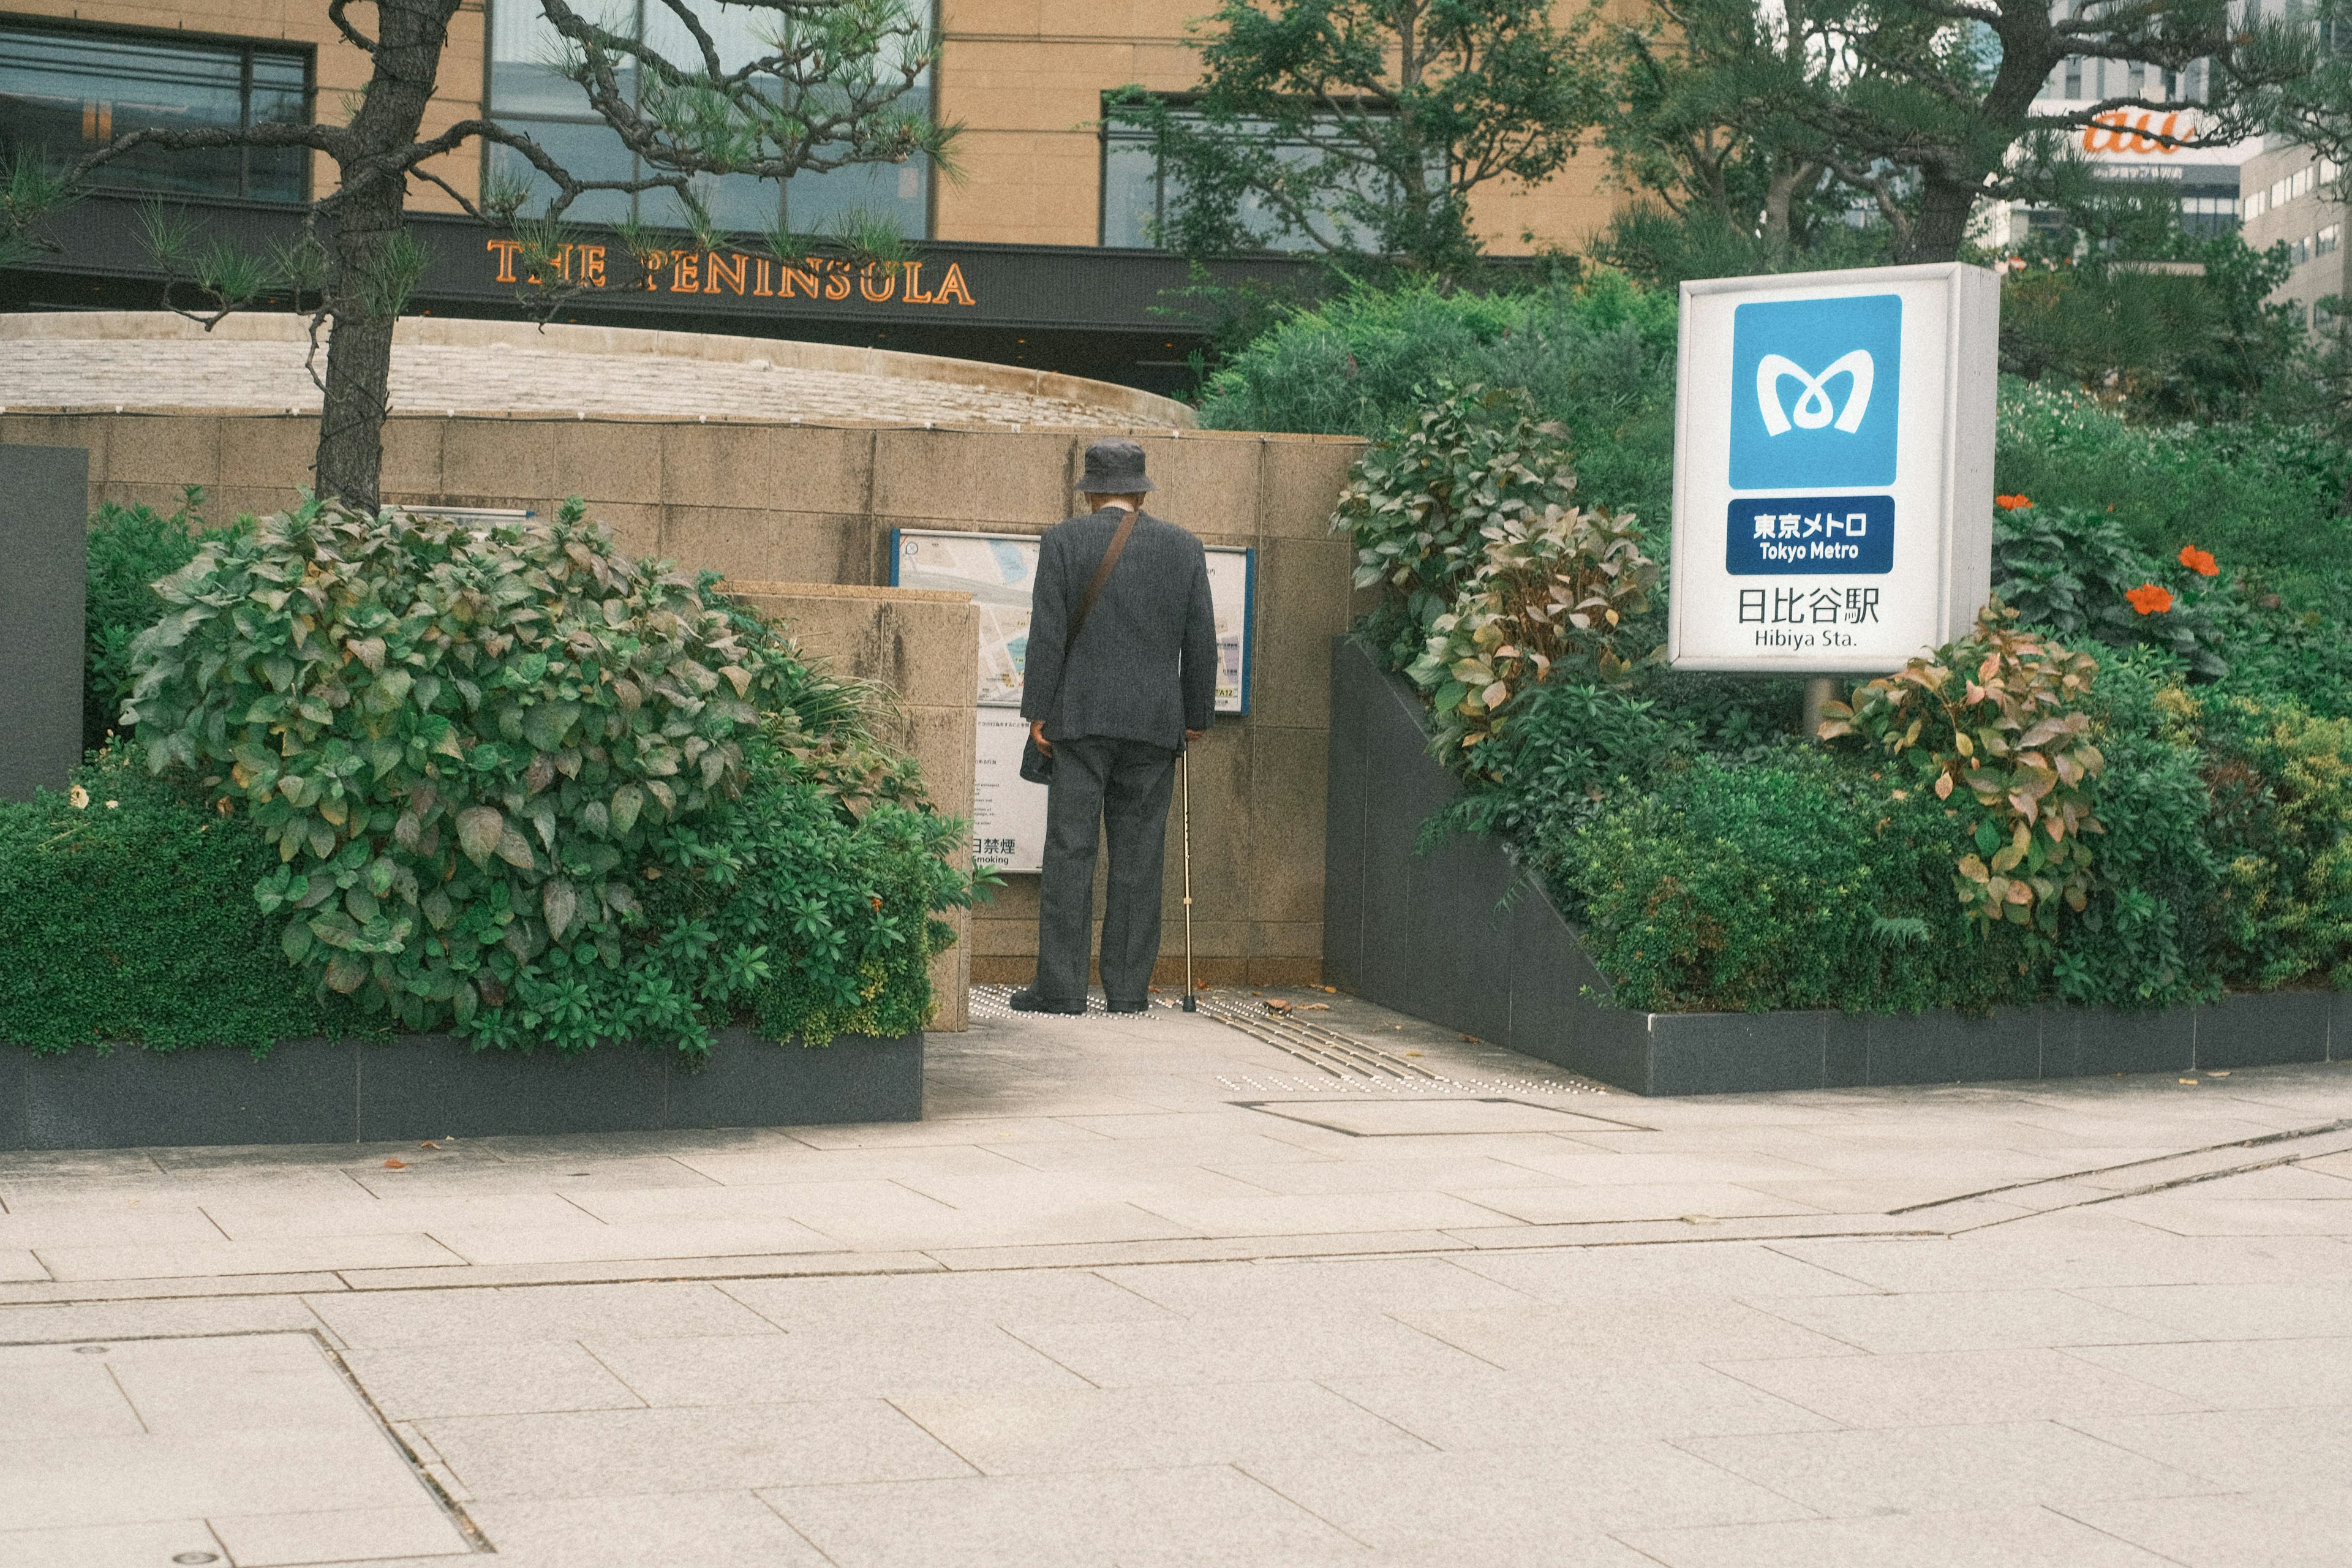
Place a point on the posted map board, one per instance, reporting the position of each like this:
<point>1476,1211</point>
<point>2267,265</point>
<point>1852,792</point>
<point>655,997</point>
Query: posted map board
<point>1833,468</point>
<point>999,572</point>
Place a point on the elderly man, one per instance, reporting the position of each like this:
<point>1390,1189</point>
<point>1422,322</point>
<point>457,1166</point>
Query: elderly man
<point>1121,674</point>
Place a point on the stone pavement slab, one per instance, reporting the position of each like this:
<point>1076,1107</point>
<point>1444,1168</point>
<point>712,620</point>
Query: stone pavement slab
<point>1107,1308</point>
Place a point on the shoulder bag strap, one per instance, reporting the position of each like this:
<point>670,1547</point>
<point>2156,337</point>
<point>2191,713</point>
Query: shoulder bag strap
<point>1102,577</point>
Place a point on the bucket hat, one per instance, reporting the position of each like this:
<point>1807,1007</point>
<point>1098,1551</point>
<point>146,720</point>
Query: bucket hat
<point>1115,468</point>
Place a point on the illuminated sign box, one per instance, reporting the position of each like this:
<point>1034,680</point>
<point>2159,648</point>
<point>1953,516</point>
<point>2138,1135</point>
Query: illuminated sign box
<point>1833,435</point>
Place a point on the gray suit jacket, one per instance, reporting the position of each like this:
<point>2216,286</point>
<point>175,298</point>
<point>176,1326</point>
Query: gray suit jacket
<point>1145,665</point>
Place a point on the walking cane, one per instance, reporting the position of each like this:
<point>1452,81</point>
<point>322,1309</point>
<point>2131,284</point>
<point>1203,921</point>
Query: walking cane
<point>1184,779</point>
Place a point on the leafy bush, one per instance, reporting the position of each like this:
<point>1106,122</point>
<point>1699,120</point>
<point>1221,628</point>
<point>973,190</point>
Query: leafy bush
<point>1419,506</point>
<point>1997,720</point>
<point>130,548</point>
<point>2263,498</point>
<point>1554,594</point>
<point>1801,884</point>
<point>127,913</point>
<point>505,771</point>
<point>1714,859</point>
<point>2072,572</point>
<point>1597,357</point>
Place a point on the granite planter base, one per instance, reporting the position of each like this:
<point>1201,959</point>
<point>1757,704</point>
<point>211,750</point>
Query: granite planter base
<point>431,1085</point>
<point>1460,937</point>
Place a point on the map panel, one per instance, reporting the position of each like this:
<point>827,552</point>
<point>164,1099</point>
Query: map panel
<point>999,572</point>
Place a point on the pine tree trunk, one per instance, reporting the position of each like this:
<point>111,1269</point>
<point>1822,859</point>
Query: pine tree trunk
<point>370,249</point>
<point>1943,222</point>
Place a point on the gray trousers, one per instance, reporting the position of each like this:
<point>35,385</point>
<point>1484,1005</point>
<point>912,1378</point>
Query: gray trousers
<point>1125,786</point>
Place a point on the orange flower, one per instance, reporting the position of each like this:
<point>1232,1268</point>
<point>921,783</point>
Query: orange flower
<point>2201,562</point>
<point>2011,504</point>
<point>2149,600</point>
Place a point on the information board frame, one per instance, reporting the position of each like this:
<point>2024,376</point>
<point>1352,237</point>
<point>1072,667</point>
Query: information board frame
<point>1868,602</point>
<point>1008,812</point>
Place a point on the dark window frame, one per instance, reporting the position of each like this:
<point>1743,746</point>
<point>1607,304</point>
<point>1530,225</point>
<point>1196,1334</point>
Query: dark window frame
<point>247,47</point>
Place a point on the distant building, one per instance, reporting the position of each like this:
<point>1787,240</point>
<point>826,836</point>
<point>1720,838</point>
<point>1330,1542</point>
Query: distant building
<point>1042,254</point>
<point>2288,202</point>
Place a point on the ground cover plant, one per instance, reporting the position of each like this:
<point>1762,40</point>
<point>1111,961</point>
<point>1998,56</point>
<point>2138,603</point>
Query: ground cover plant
<point>422,774</point>
<point>2131,785</point>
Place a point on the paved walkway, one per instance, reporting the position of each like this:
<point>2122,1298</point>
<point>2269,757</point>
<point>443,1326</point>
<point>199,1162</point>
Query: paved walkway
<point>1150,1292</point>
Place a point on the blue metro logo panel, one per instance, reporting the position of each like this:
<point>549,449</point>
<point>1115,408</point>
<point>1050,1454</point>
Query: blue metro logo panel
<point>1816,386</point>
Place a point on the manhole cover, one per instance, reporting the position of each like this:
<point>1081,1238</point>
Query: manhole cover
<point>1432,1117</point>
<point>246,1449</point>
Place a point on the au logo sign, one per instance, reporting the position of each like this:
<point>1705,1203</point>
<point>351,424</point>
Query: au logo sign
<point>1792,426</point>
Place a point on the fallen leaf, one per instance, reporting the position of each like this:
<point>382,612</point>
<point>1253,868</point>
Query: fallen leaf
<point>2223,1072</point>
<point>428,1145</point>
<point>2189,1081</point>
<point>1412,1053</point>
<point>396,1164</point>
<point>1275,1005</point>
<point>1332,990</point>
<point>1470,1038</point>
<point>1314,1006</point>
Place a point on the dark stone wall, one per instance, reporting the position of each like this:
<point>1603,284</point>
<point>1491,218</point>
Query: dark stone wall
<point>1463,937</point>
<point>43,516</point>
<point>433,1086</point>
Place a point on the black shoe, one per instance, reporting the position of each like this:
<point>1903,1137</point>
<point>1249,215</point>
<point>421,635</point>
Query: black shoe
<point>1127,1006</point>
<point>1027,1001</point>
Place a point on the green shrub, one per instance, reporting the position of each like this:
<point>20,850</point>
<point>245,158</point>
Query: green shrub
<point>131,549</point>
<point>1802,882</point>
<point>1996,724</point>
<point>1597,357</point>
<point>2264,499</point>
<point>2280,779</point>
<point>505,771</point>
<point>1417,506</point>
<point>2074,572</point>
<point>127,914</point>
<point>2148,939</point>
<point>1554,595</point>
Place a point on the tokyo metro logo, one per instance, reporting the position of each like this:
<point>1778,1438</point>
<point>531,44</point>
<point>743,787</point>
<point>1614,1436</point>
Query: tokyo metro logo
<point>1792,426</point>
<point>1813,409</point>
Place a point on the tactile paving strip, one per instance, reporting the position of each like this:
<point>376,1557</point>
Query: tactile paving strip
<point>1334,1061</point>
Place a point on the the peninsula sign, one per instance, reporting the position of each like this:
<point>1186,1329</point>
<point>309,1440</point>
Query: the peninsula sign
<point>737,273</point>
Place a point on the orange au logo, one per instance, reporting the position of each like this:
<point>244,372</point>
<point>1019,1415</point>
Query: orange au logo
<point>2122,131</point>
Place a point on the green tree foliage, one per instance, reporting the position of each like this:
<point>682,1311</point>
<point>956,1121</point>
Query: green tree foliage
<point>502,769</point>
<point>1756,127</point>
<point>1711,130</point>
<point>1363,127</point>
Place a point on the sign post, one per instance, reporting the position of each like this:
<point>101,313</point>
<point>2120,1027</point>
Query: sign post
<point>1833,435</point>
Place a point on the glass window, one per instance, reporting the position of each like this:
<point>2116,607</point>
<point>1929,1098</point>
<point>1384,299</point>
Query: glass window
<point>1140,195</point>
<point>530,93</point>
<point>2328,241</point>
<point>65,93</point>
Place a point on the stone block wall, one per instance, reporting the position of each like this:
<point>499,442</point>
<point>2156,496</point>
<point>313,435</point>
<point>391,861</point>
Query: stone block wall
<point>924,647</point>
<point>781,503</point>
